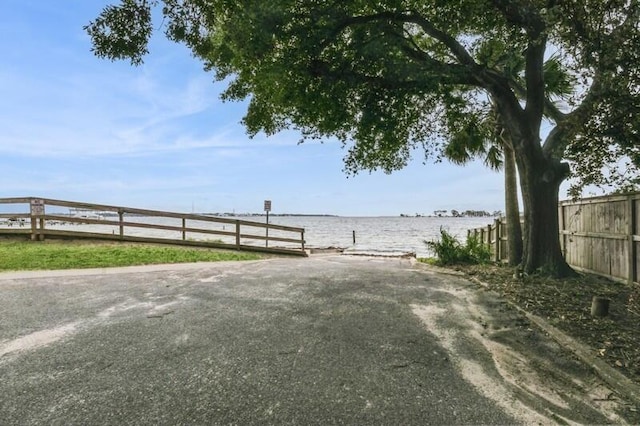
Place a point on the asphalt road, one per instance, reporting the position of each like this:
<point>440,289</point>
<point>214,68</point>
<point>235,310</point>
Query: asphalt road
<point>324,340</point>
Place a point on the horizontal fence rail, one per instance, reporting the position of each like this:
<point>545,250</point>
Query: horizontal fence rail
<point>40,218</point>
<point>600,235</point>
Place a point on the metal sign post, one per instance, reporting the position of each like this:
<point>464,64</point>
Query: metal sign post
<point>267,209</point>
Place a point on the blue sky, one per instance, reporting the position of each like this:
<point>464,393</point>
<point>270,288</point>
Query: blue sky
<point>79,128</point>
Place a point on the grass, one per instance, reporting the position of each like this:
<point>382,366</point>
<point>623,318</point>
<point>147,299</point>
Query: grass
<point>27,255</point>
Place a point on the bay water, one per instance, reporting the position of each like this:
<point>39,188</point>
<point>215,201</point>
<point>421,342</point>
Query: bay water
<point>380,234</point>
<point>375,235</point>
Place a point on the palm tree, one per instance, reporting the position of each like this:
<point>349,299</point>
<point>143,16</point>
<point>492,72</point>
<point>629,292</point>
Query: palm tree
<point>485,138</point>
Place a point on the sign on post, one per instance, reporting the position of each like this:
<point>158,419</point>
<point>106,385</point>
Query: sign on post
<point>37,211</point>
<point>267,209</point>
<point>37,207</point>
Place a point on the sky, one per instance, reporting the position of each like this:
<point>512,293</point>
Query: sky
<point>79,128</point>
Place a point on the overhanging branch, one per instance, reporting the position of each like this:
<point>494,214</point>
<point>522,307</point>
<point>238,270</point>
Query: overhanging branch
<point>457,49</point>
<point>443,74</point>
<point>465,72</point>
<point>576,119</point>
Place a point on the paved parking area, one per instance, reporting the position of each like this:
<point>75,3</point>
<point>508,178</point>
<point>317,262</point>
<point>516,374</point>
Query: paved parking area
<point>325,340</point>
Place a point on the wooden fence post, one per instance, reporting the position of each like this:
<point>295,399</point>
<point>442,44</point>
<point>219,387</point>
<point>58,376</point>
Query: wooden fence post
<point>184,231</point>
<point>504,248</point>
<point>121,220</point>
<point>631,245</point>
<point>34,226</point>
<point>561,225</point>
<point>238,234</point>
<point>489,235</point>
<point>41,235</point>
<point>496,224</point>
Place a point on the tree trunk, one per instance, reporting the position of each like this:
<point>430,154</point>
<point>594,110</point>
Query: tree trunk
<point>512,208</point>
<point>540,182</point>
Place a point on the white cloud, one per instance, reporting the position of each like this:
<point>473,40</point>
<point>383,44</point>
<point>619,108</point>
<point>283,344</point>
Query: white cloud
<point>90,117</point>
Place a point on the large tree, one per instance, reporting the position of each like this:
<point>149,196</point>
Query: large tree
<point>490,141</point>
<point>391,78</point>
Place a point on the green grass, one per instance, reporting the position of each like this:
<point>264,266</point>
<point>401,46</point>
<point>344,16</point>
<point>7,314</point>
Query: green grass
<point>429,260</point>
<point>27,255</point>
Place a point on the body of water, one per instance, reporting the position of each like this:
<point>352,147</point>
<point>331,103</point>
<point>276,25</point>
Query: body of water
<point>380,234</point>
<point>372,234</point>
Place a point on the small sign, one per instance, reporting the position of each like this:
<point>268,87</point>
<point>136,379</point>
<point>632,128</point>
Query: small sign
<point>267,205</point>
<point>37,207</point>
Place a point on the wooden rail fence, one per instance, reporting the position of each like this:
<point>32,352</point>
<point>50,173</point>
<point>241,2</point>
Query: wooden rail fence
<point>40,218</point>
<point>494,235</point>
<point>600,235</point>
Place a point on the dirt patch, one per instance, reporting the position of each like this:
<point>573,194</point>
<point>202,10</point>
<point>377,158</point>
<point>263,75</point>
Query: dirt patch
<point>472,370</point>
<point>566,304</point>
<point>498,352</point>
<point>36,339</point>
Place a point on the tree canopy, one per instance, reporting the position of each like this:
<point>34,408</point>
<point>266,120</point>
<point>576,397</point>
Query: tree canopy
<point>391,78</point>
<point>397,75</point>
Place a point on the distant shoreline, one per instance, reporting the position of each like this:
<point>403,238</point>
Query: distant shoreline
<point>113,214</point>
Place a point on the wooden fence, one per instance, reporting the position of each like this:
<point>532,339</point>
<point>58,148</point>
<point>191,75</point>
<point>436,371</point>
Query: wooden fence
<point>493,235</point>
<point>599,235</point>
<point>40,218</point>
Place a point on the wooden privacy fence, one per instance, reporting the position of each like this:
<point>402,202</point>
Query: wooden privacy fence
<point>40,218</point>
<point>599,235</point>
